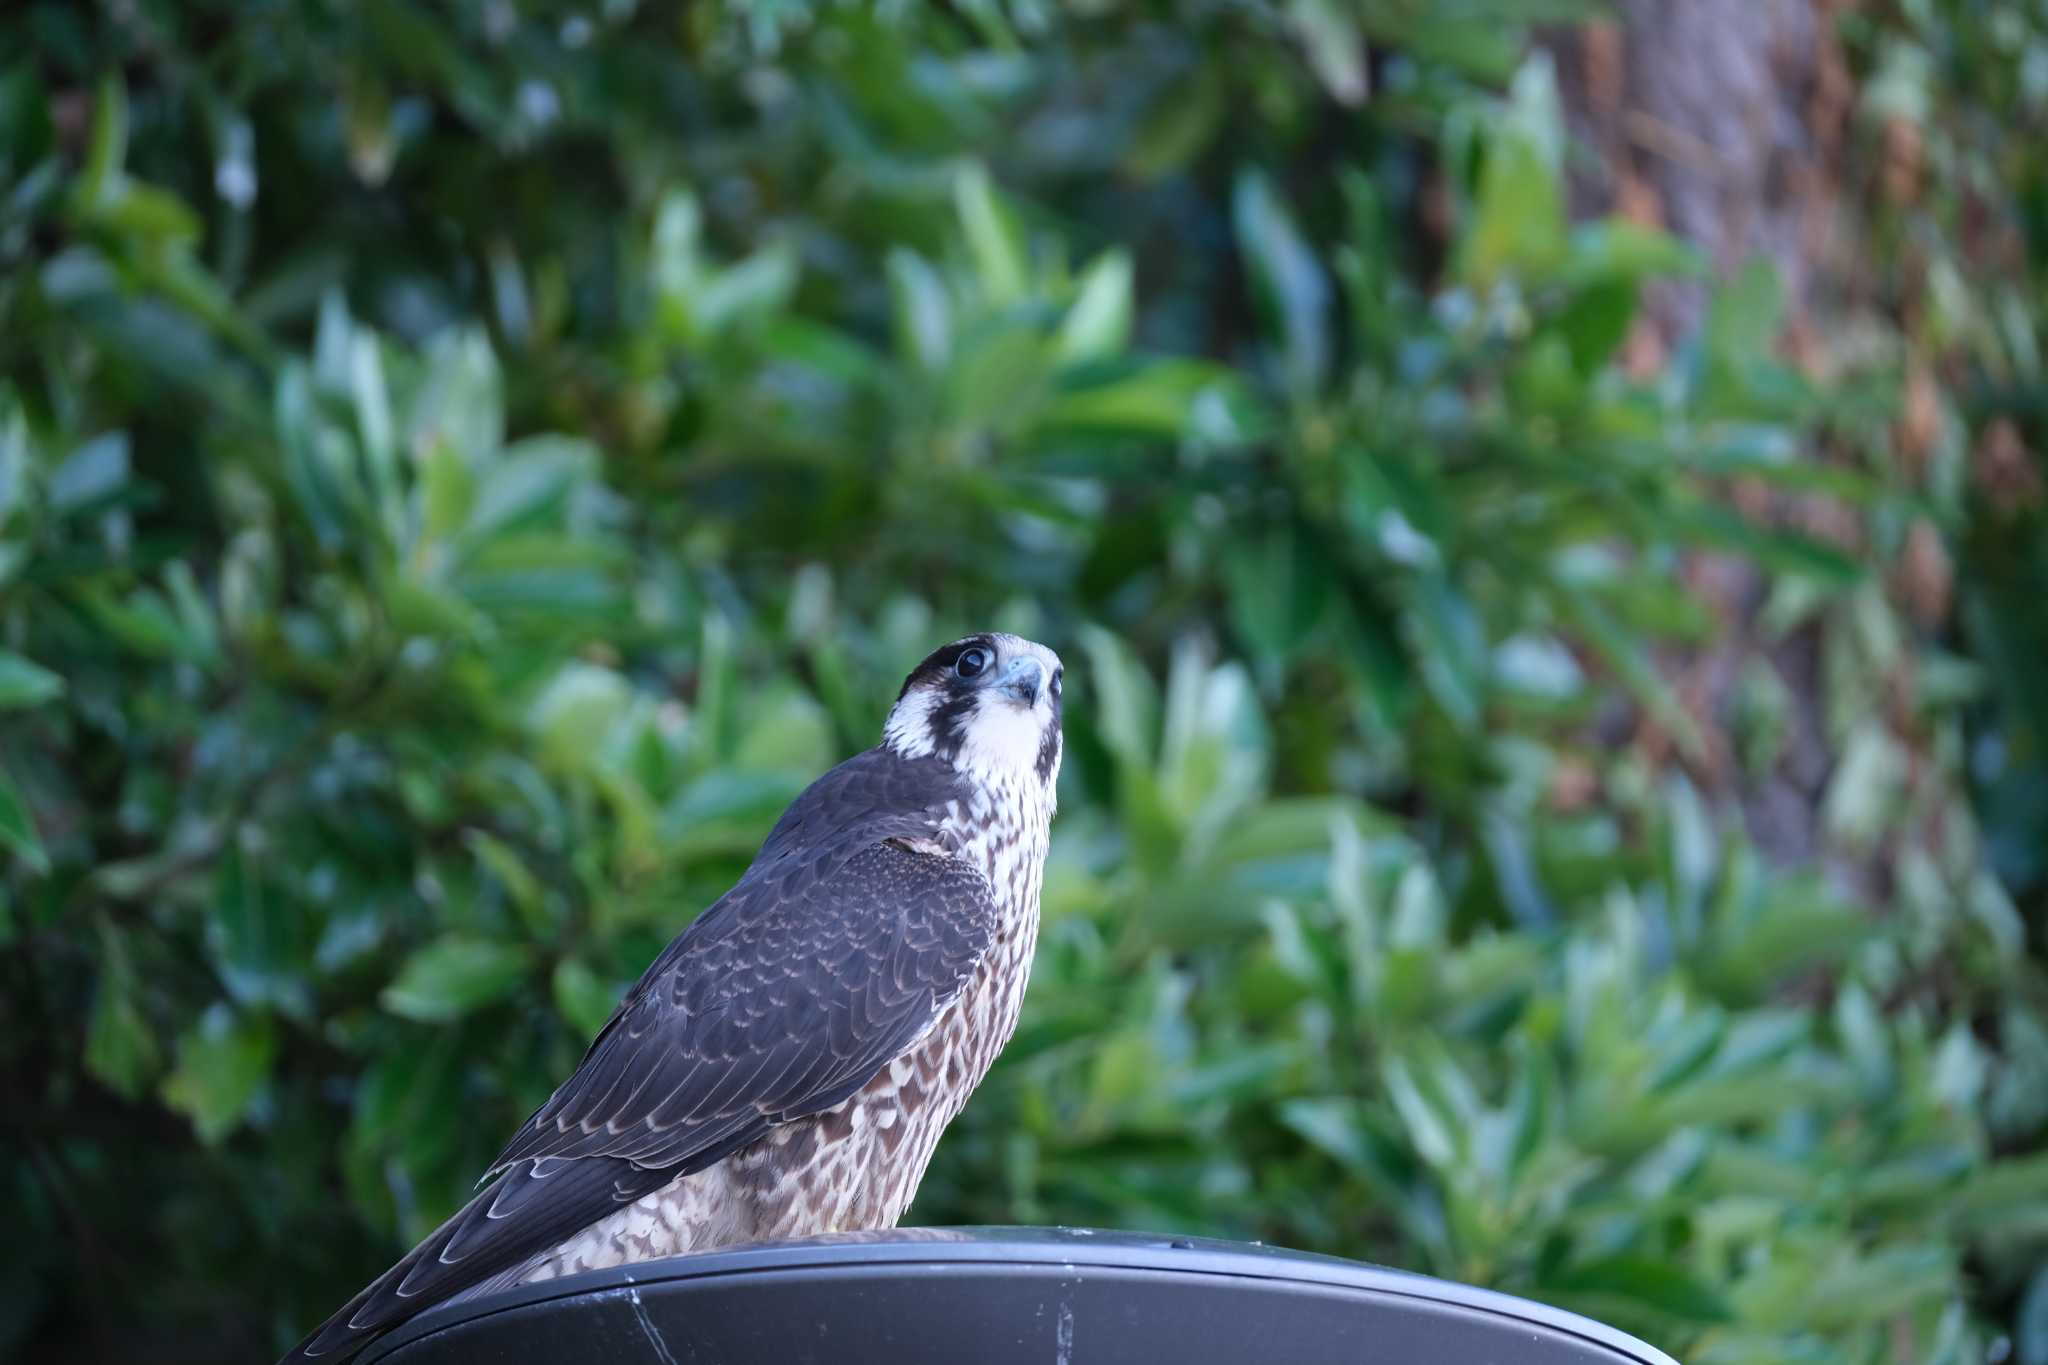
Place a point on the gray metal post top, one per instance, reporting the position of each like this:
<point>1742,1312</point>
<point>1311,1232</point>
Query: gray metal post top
<point>1004,1296</point>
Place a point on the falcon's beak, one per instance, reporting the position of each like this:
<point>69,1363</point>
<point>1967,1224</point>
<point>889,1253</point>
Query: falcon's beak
<point>1024,679</point>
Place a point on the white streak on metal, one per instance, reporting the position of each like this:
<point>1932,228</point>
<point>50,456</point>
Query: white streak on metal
<point>647,1326</point>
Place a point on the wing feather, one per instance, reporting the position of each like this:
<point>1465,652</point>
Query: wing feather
<point>834,953</point>
<point>709,1050</point>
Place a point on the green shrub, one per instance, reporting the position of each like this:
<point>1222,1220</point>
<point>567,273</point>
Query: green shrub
<point>453,497</point>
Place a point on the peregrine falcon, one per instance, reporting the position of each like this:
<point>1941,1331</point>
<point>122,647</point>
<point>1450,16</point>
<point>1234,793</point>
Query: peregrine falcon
<point>786,1065</point>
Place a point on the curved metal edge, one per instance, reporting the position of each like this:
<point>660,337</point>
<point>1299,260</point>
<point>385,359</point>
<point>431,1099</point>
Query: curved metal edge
<point>1035,1246</point>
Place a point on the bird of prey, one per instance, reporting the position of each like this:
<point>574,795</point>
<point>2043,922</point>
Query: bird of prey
<point>786,1065</point>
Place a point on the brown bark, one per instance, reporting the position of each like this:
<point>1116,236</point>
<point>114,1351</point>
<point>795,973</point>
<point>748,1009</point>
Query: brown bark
<point>1721,121</point>
<point>1724,123</point>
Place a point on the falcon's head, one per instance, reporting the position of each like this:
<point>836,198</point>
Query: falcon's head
<point>987,704</point>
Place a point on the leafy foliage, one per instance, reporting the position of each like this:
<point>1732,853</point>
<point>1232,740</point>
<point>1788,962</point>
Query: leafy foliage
<point>463,470</point>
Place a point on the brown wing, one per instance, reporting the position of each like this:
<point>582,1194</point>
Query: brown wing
<point>835,952</point>
<point>793,995</point>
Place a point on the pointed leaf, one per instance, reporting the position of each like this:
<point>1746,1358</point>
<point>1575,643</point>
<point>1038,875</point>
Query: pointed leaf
<point>454,976</point>
<point>1287,279</point>
<point>992,237</point>
<point>18,829</point>
<point>223,1062</point>
<point>23,683</point>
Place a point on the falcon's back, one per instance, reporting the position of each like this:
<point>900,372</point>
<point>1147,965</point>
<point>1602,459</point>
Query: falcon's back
<point>785,1067</point>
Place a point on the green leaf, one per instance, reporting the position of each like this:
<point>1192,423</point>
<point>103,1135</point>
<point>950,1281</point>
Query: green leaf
<point>91,474</point>
<point>1745,316</point>
<point>1330,40</point>
<point>315,483</point>
<point>223,1063</point>
<point>749,291</point>
<point>455,976</point>
<point>783,727</point>
<point>374,433</point>
<point>1178,124</point>
<point>2003,1184</point>
<point>23,683</point>
<point>145,214</point>
<point>1438,1140</point>
<point>1287,280</point>
<point>923,314</point>
<point>998,371</point>
<point>1483,45</point>
<point>510,871</point>
<point>1450,648</point>
<point>1125,699</point>
<point>1162,399</point>
<point>676,267</point>
<point>461,402</point>
<point>256,939</point>
<point>1654,1284</point>
<point>726,811</point>
<point>408,1089</point>
<point>1617,251</point>
<point>1596,321</point>
<point>109,148</point>
<point>1333,1126</point>
<point>1628,655</point>
<point>2030,1324</point>
<point>145,624</point>
<point>1278,590</point>
<point>575,711</point>
<point>1099,322</point>
<point>529,486</point>
<point>1518,218</point>
<point>18,828</point>
<point>992,237</point>
<point>582,997</point>
<point>25,127</point>
<point>1786,551</point>
<point>447,491</point>
<point>120,1046</point>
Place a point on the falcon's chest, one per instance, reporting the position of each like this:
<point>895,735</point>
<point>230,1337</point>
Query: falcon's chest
<point>1003,830</point>
<point>865,1158</point>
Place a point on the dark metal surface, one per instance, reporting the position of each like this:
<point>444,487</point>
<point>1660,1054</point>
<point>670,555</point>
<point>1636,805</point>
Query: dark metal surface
<point>1004,1296</point>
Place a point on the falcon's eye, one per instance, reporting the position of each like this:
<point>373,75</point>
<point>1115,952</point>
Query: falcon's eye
<point>972,663</point>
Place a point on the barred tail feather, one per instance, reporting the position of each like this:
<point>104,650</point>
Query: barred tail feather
<point>529,1209</point>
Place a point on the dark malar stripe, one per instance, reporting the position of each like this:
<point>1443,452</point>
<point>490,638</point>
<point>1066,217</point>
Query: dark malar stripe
<point>1048,750</point>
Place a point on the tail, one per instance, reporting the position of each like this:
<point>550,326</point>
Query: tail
<point>531,1208</point>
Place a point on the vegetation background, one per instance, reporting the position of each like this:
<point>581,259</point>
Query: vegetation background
<point>1542,505</point>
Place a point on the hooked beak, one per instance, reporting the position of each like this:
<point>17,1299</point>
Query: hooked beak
<point>1023,679</point>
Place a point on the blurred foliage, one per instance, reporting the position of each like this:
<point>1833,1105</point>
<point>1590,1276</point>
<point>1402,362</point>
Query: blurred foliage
<point>463,468</point>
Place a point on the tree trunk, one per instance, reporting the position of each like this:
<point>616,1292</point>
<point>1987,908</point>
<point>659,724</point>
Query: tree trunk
<point>1724,123</point>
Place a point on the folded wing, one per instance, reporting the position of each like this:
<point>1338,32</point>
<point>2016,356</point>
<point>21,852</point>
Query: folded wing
<point>826,962</point>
